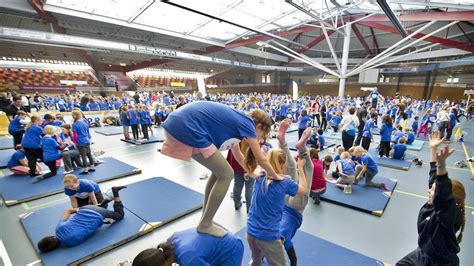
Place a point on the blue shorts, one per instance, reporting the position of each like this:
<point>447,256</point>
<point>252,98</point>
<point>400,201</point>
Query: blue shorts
<point>290,222</point>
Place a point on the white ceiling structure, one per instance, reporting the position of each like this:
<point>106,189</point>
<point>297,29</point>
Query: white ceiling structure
<point>300,33</point>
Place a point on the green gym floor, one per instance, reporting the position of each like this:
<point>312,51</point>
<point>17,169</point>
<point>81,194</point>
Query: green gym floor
<point>387,238</point>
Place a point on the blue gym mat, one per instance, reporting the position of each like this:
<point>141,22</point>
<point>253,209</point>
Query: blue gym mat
<point>416,145</point>
<point>6,142</point>
<point>312,250</point>
<point>17,189</point>
<point>109,131</point>
<point>363,198</point>
<point>332,135</point>
<point>392,163</point>
<point>5,157</point>
<point>41,223</point>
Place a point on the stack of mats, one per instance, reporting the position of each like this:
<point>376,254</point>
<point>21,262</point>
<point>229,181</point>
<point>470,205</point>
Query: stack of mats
<point>139,219</point>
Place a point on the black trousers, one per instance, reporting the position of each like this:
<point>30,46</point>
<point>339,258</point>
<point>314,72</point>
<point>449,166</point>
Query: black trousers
<point>347,140</point>
<point>360,131</point>
<point>145,131</point>
<point>52,168</point>
<point>86,154</point>
<point>87,201</point>
<point>384,149</point>
<point>32,155</point>
<point>17,137</point>
<point>300,132</point>
<point>116,215</point>
<point>135,131</point>
<point>318,119</point>
<point>418,257</point>
<point>366,143</point>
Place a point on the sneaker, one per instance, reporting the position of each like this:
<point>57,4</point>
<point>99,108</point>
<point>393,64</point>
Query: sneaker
<point>68,172</point>
<point>238,207</point>
<point>347,189</point>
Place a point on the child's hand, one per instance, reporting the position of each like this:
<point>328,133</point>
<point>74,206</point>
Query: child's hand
<point>443,153</point>
<point>435,139</point>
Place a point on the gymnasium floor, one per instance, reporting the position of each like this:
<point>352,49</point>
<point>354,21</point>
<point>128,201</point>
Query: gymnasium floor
<point>387,238</point>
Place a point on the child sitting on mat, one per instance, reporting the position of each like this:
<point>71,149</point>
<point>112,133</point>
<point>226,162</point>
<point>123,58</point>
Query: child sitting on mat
<point>18,164</point>
<point>398,151</point>
<point>313,139</point>
<point>397,134</point>
<point>82,192</point>
<point>340,149</point>
<point>410,136</point>
<point>346,172</point>
<point>78,224</point>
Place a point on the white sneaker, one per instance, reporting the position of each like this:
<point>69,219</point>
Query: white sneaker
<point>347,189</point>
<point>68,172</point>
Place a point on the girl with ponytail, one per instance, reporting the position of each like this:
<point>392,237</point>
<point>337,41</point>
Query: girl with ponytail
<point>31,143</point>
<point>442,219</point>
<point>199,130</point>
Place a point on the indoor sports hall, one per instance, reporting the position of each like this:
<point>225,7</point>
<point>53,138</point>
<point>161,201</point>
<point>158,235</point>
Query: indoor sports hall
<point>236,132</point>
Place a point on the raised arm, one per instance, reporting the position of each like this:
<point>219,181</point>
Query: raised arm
<point>261,160</point>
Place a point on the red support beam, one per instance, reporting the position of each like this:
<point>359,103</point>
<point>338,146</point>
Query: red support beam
<point>361,39</point>
<point>433,39</point>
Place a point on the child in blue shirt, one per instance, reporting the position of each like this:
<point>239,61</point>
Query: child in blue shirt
<point>31,144</point>
<point>81,136</point>
<point>134,119</point>
<point>181,248</point>
<point>414,125</point>
<point>367,134</point>
<point>321,139</point>
<point>18,164</point>
<point>385,136</point>
<point>82,192</point>
<point>399,150</point>
<point>398,134</point>
<point>125,121</point>
<point>367,168</point>
<point>145,120</point>
<point>303,123</point>
<point>336,121</point>
<point>16,128</point>
<point>410,136</point>
<point>346,169</point>
<point>51,152</point>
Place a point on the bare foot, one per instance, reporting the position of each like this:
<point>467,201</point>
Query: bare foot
<point>284,125</point>
<point>213,230</point>
<point>301,144</point>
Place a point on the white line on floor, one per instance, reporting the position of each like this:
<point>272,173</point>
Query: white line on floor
<point>4,255</point>
<point>34,263</point>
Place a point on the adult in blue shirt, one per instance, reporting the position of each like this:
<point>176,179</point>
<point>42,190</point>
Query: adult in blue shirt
<point>199,130</point>
<point>78,224</point>
<point>16,128</point>
<point>190,247</point>
<point>374,97</point>
<point>31,143</point>
<point>368,168</point>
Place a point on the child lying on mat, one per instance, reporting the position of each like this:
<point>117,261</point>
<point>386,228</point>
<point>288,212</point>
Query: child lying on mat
<point>399,150</point>
<point>18,163</point>
<point>190,247</point>
<point>78,224</point>
<point>82,192</point>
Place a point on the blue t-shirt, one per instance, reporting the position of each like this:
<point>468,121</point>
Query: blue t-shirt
<point>337,157</point>
<point>267,205</point>
<point>348,167</point>
<point>15,125</point>
<point>201,124</point>
<point>145,117</point>
<point>398,135</point>
<point>410,138</point>
<point>85,187</point>
<point>57,123</point>
<point>452,121</point>
<point>194,248</point>
<point>366,159</point>
<point>15,159</point>
<point>414,126</point>
<point>50,149</point>
<point>322,141</point>
<point>79,227</point>
<point>133,117</point>
<point>93,106</point>
<point>82,130</point>
<point>32,137</point>
<point>335,121</point>
<point>290,222</point>
<point>399,151</point>
<point>304,121</point>
<point>386,132</point>
<point>367,133</point>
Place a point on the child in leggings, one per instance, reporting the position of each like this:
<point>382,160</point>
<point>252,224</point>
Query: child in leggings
<point>31,143</point>
<point>367,168</point>
<point>266,212</point>
<point>301,172</point>
<point>385,136</point>
<point>442,217</point>
<point>125,121</point>
<point>82,137</point>
<point>199,130</point>
<point>134,119</point>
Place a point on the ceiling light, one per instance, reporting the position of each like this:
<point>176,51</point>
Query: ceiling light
<point>122,64</point>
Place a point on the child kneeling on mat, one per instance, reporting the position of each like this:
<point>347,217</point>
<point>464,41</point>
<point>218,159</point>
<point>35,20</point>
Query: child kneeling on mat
<point>18,164</point>
<point>51,152</point>
<point>398,151</point>
<point>78,224</point>
<point>82,192</point>
<point>346,172</point>
<point>367,168</point>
